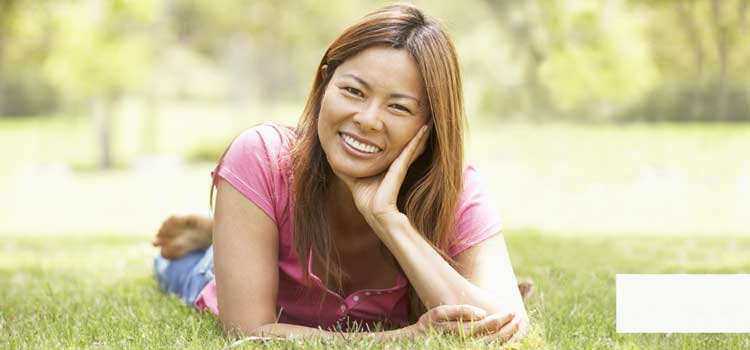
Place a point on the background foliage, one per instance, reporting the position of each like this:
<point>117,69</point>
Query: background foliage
<point>613,60</point>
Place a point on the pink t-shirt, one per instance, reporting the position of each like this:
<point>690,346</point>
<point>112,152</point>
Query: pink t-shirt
<point>258,165</point>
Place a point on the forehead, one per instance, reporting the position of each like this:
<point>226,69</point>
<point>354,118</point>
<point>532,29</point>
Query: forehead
<point>389,69</point>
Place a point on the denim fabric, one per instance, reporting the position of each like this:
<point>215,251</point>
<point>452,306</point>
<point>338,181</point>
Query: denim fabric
<point>185,276</point>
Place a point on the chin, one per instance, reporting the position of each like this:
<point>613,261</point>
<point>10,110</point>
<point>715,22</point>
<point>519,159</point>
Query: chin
<point>344,163</point>
<point>355,171</point>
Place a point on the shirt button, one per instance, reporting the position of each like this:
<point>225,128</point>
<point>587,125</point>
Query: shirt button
<point>356,298</point>
<point>343,307</point>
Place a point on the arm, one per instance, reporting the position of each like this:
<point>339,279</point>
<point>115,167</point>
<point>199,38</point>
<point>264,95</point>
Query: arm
<point>486,281</point>
<point>246,267</point>
<point>434,280</point>
<point>246,261</point>
<point>437,284</point>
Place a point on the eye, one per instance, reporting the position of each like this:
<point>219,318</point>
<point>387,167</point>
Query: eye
<point>354,91</point>
<point>400,107</point>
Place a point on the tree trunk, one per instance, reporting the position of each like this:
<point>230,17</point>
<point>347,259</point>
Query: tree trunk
<point>151,123</point>
<point>2,91</point>
<point>722,48</point>
<point>102,114</point>
<point>692,33</point>
<point>2,78</point>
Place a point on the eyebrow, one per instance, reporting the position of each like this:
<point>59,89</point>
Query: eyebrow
<point>366,85</point>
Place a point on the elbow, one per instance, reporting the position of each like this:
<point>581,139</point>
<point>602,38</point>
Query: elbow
<point>244,328</point>
<point>500,308</point>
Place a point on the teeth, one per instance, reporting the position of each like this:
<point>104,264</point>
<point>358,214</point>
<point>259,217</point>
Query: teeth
<point>360,146</point>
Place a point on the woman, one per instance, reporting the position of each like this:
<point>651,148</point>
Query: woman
<point>369,190</point>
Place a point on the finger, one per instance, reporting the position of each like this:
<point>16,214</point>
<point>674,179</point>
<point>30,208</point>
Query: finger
<point>507,332</point>
<point>448,313</point>
<point>490,324</point>
<point>396,173</point>
<point>397,170</point>
<point>407,154</point>
<point>422,144</point>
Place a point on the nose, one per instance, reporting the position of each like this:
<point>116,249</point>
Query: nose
<point>367,119</point>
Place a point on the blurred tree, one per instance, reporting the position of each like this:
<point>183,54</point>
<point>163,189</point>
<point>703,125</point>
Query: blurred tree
<point>705,63</point>
<point>526,25</point>
<point>578,57</point>
<point>536,59</point>
<point>102,50</point>
<point>24,44</point>
<point>7,10</point>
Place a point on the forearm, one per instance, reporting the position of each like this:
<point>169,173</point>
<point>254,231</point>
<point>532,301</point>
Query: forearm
<point>294,331</point>
<point>435,281</point>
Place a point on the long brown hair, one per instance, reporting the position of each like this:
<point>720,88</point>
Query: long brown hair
<point>430,193</point>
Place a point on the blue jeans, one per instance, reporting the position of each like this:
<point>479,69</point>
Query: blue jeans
<point>185,276</point>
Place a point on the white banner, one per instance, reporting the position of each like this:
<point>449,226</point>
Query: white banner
<point>683,303</point>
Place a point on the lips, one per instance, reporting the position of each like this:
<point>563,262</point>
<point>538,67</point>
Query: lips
<point>361,140</point>
<point>357,149</point>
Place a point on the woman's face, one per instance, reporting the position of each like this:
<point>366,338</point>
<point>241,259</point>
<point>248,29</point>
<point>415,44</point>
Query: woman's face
<point>373,106</point>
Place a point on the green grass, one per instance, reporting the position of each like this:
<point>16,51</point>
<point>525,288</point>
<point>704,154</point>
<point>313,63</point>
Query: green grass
<point>663,198</point>
<point>84,291</point>
<point>663,179</point>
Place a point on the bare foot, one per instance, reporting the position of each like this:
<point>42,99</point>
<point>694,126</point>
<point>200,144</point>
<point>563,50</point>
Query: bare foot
<point>525,287</point>
<point>182,234</point>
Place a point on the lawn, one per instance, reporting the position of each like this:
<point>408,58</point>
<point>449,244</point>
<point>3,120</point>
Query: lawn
<point>83,291</point>
<point>579,203</point>
<point>663,179</point>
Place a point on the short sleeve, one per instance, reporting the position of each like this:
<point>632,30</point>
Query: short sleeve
<point>477,217</point>
<point>252,166</point>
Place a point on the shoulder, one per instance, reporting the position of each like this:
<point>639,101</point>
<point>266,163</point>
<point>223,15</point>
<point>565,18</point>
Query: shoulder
<point>271,137</point>
<point>477,217</point>
<point>472,187</point>
<point>264,145</point>
<point>257,163</point>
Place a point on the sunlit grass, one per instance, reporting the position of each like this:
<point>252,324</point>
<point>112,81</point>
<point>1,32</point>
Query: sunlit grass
<point>82,291</point>
<point>607,199</point>
<point>661,179</point>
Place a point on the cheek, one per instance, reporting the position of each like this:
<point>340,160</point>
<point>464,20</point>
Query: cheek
<point>330,108</point>
<point>399,142</point>
<point>324,105</point>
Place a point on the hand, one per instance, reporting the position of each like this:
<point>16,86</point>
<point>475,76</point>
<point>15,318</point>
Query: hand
<point>467,320</point>
<point>376,196</point>
<point>511,332</point>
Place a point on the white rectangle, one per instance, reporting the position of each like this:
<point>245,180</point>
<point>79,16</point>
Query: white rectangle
<point>682,303</point>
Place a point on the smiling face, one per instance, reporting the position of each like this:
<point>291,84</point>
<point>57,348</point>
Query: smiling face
<point>373,106</point>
